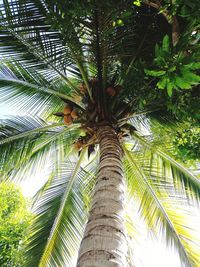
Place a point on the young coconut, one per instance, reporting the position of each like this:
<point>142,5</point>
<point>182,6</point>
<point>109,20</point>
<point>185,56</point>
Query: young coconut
<point>111,91</point>
<point>67,109</point>
<point>67,119</point>
<point>78,145</point>
<point>74,114</point>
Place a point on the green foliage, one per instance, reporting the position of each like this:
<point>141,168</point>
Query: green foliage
<point>61,216</point>
<point>14,221</point>
<point>176,70</point>
<point>156,197</point>
<point>189,10</point>
<point>181,139</point>
<point>185,106</point>
<point>187,143</point>
<point>137,3</point>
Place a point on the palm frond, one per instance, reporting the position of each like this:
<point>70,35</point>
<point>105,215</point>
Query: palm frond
<point>26,24</point>
<point>158,209</point>
<point>89,170</point>
<point>25,140</point>
<point>32,89</point>
<point>61,216</point>
<point>55,231</point>
<point>182,177</point>
<point>60,36</point>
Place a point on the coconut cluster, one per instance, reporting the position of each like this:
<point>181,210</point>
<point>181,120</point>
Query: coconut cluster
<point>69,114</point>
<point>92,114</point>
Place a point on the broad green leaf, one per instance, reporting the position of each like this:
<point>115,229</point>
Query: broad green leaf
<point>165,44</point>
<point>181,83</point>
<point>162,83</point>
<point>190,77</point>
<point>193,66</point>
<point>169,89</point>
<point>155,73</point>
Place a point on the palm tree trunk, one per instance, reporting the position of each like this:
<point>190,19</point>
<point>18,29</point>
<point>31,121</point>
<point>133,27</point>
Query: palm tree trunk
<point>104,241</point>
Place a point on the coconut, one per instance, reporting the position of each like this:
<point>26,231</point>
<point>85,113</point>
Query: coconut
<point>67,110</point>
<point>111,91</point>
<point>78,145</point>
<point>74,114</point>
<point>67,119</point>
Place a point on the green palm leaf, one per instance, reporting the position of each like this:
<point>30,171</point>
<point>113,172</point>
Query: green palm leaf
<point>182,177</point>
<point>32,90</point>
<point>44,43</point>
<point>36,37</point>
<point>157,207</point>
<point>26,140</point>
<point>61,216</point>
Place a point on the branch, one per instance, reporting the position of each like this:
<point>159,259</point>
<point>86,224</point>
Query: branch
<point>173,21</point>
<point>158,6</point>
<point>175,30</point>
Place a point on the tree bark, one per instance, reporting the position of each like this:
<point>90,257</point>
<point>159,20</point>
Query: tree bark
<point>104,241</point>
<point>175,30</point>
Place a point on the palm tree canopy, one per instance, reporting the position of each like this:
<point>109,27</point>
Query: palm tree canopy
<point>73,66</point>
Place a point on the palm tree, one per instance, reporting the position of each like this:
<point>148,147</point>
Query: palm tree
<point>86,75</point>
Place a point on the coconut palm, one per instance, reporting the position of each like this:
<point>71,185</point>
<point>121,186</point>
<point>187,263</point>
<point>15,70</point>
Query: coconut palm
<point>86,77</point>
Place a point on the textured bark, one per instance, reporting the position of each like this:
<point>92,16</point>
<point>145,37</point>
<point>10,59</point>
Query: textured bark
<point>104,241</point>
<point>175,31</point>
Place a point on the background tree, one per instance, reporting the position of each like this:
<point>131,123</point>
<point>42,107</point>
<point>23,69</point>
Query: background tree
<point>14,221</point>
<point>93,77</point>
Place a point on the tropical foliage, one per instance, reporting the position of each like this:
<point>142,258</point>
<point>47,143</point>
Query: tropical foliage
<point>188,143</point>
<point>14,221</point>
<point>69,67</point>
